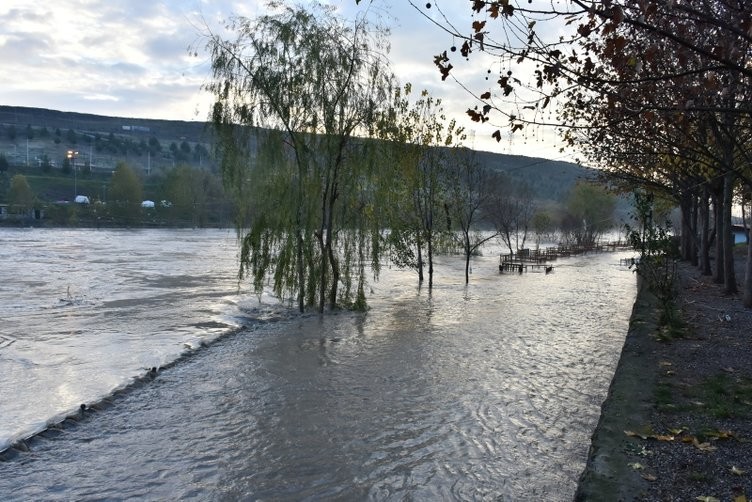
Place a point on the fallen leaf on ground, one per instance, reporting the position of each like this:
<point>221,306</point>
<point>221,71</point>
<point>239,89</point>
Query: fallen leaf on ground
<point>720,434</point>
<point>648,477</point>
<point>664,438</point>
<point>707,499</point>
<point>636,466</point>
<point>737,471</point>
<point>633,434</point>
<point>703,446</point>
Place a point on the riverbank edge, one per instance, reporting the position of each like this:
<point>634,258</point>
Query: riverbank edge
<point>86,410</point>
<point>608,474</point>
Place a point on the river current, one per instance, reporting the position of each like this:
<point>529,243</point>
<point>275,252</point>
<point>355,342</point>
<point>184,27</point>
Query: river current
<point>482,392</point>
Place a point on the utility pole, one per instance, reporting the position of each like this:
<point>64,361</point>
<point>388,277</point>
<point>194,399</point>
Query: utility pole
<point>72,159</point>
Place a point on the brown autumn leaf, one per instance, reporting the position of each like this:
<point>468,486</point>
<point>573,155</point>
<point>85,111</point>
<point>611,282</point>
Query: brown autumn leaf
<point>648,476</point>
<point>706,447</point>
<point>720,434</point>
<point>661,437</point>
<point>485,95</point>
<point>633,434</point>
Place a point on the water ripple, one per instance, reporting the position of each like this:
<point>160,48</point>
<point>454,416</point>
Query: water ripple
<point>483,393</point>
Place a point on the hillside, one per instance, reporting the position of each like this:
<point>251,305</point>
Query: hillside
<point>33,136</point>
<point>549,180</point>
<point>36,142</point>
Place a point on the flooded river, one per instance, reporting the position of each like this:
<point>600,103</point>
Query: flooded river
<point>489,391</point>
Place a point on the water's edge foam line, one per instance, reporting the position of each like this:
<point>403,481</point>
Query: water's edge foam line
<point>24,444</point>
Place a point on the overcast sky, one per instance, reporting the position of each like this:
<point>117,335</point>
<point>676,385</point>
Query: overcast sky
<point>129,58</point>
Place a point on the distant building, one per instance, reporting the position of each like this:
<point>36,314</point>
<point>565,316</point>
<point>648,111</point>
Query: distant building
<point>136,128</point>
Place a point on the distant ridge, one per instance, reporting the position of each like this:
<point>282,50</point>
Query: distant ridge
<point>548,179</point>
<point>21,116</point>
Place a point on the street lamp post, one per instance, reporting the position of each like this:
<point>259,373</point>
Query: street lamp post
<point>72,160</point>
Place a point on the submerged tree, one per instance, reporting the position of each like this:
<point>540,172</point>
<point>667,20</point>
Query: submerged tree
<point>590,210</point>
<point>469,194</point>
<point>315,81</point>
<point>510,210</point>
<point>418,134</point>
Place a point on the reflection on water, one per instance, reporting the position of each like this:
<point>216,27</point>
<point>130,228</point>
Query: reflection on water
<point>480,392</point>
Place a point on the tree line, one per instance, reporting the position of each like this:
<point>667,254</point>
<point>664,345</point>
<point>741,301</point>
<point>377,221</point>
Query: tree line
<point>185,196</point>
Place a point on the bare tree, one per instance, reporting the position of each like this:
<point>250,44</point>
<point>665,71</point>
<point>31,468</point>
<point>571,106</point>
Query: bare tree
<point>468,193</point>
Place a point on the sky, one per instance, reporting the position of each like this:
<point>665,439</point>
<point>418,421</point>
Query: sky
<point>130,58</point>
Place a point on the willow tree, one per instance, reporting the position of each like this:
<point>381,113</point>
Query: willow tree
<point>313,81</point>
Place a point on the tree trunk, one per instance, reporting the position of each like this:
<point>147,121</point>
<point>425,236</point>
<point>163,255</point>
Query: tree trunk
<point>322,273</point>
<point>430,260</point>
<point>419,244</point>
<point>301,273</point>
<point>694,258</point>
<point>686,228</point>
<point>467,258</point>
<point>330,255</point>
<point>729,277</point>
<point>334,264</point>
<point>718,274</point>
<point>705,232</point>
<point>748,273</point>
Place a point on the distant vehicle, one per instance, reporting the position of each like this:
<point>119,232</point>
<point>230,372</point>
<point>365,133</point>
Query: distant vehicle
<point>147,204</point>
<point>81,199</point>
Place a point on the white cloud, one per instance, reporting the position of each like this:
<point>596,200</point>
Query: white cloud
<point>129,57</point>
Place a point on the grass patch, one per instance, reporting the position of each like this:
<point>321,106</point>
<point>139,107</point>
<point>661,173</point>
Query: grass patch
<point>725,396</point>
<point>672,327</point>
<point>719,396</point>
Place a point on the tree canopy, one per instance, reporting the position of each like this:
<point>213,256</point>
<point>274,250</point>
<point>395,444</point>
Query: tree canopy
<point>125,193</point>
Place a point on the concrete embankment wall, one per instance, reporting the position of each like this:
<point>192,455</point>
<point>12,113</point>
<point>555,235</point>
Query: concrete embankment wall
<point>608,475</point>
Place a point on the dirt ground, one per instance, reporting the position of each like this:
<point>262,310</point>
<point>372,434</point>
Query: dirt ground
<point>677,424</point>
